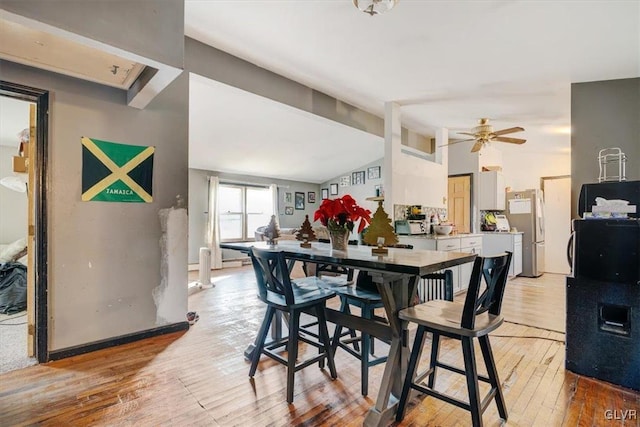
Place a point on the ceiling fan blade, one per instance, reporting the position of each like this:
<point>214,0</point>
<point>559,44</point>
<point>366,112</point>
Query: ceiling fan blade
<point>506,131</point>
<point>456,142</point>
<point>477,146</point>
<point>466,133</point>
<point>511,140</point>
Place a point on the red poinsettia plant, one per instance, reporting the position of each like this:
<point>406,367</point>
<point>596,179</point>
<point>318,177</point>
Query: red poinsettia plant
<point>342,212</point>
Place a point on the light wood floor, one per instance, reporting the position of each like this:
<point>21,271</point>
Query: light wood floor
<point>199,378</point>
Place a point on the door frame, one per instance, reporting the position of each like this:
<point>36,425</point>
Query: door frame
<point>39,97</point>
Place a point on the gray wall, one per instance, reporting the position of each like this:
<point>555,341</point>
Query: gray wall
<point>199,199</point>
<point>105,260</point>
<point>13,205</point>
<point>604,114</point>
<point>151,28</point>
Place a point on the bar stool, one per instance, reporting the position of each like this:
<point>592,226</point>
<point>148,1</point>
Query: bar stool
<point>365,296</point>
<point>307,295</point>
<point>476,318</point>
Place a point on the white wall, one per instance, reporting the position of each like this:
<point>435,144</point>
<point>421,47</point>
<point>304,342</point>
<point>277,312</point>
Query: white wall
<point>522,172</point>
<point>13,205</point>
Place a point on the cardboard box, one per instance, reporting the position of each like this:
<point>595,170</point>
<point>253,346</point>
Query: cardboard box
<point>20,164</point>
<point>491,168</point>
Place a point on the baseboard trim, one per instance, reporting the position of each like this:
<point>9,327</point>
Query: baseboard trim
<point>115,341</point>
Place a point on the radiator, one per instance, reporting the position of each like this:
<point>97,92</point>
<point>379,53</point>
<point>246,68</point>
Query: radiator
<point>205,267</point>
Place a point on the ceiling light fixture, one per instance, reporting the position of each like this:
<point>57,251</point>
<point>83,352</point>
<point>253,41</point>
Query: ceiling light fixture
<point>374,7</point>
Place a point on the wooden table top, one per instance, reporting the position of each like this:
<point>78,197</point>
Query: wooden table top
<point>406,261</point>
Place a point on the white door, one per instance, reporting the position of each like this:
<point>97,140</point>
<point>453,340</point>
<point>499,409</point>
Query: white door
<point>557,215</point>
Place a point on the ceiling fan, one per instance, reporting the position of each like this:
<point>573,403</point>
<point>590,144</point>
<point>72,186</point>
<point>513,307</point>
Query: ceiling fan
<point>484,133</point>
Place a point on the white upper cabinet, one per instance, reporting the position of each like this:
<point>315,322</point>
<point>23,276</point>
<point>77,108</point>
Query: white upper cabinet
<point>492,193</point>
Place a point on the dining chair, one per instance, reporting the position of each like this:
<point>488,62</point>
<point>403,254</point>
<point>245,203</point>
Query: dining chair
<point>365,296</point>
<point>475,318</point>
<point>338,275</point>
<point>368,300</point>
<point>280,293</point>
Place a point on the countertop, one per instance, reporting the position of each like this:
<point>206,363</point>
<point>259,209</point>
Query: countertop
<point>498,233</point>
<point>441,237</point>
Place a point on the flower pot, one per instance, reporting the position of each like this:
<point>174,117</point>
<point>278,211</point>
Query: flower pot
<point>339,237</point>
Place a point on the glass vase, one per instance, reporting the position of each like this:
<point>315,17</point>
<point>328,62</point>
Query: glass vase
<point>339,237</point>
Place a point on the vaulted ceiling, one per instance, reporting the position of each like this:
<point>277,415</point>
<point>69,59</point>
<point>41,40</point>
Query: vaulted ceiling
<point>447,63</point>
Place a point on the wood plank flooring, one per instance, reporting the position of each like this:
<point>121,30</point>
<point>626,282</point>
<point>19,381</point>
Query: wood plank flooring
<point>199,378</point>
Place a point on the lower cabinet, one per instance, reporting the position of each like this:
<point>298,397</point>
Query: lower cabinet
<point>459,243</point>
<point>497,243</point>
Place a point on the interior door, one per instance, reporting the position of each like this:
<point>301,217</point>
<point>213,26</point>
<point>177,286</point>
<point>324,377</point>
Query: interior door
<point>459,202</point>
<point>557,195</point>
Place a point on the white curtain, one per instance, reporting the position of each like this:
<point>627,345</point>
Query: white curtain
<point>213,224</point>
<point>274,198</point>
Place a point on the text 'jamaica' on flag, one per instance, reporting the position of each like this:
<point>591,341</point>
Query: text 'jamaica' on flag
<point>116,172</point>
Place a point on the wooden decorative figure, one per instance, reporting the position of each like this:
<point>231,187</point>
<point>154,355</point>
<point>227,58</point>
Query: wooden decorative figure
<point>272,232</point>
<point>380,232</point>
<point>306,233</point>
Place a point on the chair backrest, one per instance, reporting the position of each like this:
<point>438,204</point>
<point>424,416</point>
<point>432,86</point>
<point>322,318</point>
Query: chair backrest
<point>494,271</point>
<point>272,274</point>
<point>335,269</point>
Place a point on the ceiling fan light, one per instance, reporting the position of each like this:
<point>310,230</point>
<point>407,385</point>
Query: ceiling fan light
<point>374,7</point>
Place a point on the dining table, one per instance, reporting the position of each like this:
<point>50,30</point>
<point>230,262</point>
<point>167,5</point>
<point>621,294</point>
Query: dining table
<point>396,275</point>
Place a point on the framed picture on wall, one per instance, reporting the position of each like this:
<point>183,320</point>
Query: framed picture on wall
<point>299,201</point>
<point>345,181</point>
<point>325,193</point>
<point>373,172</point>
<point>311,197</point>
<point>334,189</point>
<point>288,210</point>
<point>287,198</point>
<point>357,178</point>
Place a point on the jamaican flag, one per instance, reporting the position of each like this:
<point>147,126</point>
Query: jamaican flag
<point>116,172</point>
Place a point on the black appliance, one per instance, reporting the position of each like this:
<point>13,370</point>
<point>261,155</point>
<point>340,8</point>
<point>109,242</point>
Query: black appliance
<point>625,190</point>
<point>603,301</point>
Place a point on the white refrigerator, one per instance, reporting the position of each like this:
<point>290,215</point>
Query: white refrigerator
<point>525,211</point>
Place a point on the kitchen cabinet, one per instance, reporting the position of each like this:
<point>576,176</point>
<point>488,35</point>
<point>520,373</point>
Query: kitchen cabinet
<point>497,243</point>
<point>492,193</point>
<point>471,243</point>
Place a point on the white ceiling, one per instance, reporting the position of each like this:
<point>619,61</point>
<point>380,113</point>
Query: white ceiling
<point>234,131</point>
<point>448,63</point>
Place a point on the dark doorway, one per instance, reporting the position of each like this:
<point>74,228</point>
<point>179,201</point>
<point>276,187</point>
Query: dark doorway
<point>37,231</point>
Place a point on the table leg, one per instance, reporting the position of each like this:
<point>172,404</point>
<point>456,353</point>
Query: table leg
<point>397,292</point>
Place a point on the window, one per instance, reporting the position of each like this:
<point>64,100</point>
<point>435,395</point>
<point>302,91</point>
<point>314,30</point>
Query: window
<point>243,208</point>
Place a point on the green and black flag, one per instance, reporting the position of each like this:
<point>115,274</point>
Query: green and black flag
<point>116,172</point>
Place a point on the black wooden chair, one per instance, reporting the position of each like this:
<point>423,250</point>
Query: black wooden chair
<point>337,275</point>
<point>307,295</point>
<point>476,318</point>
<point>365,296</point>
